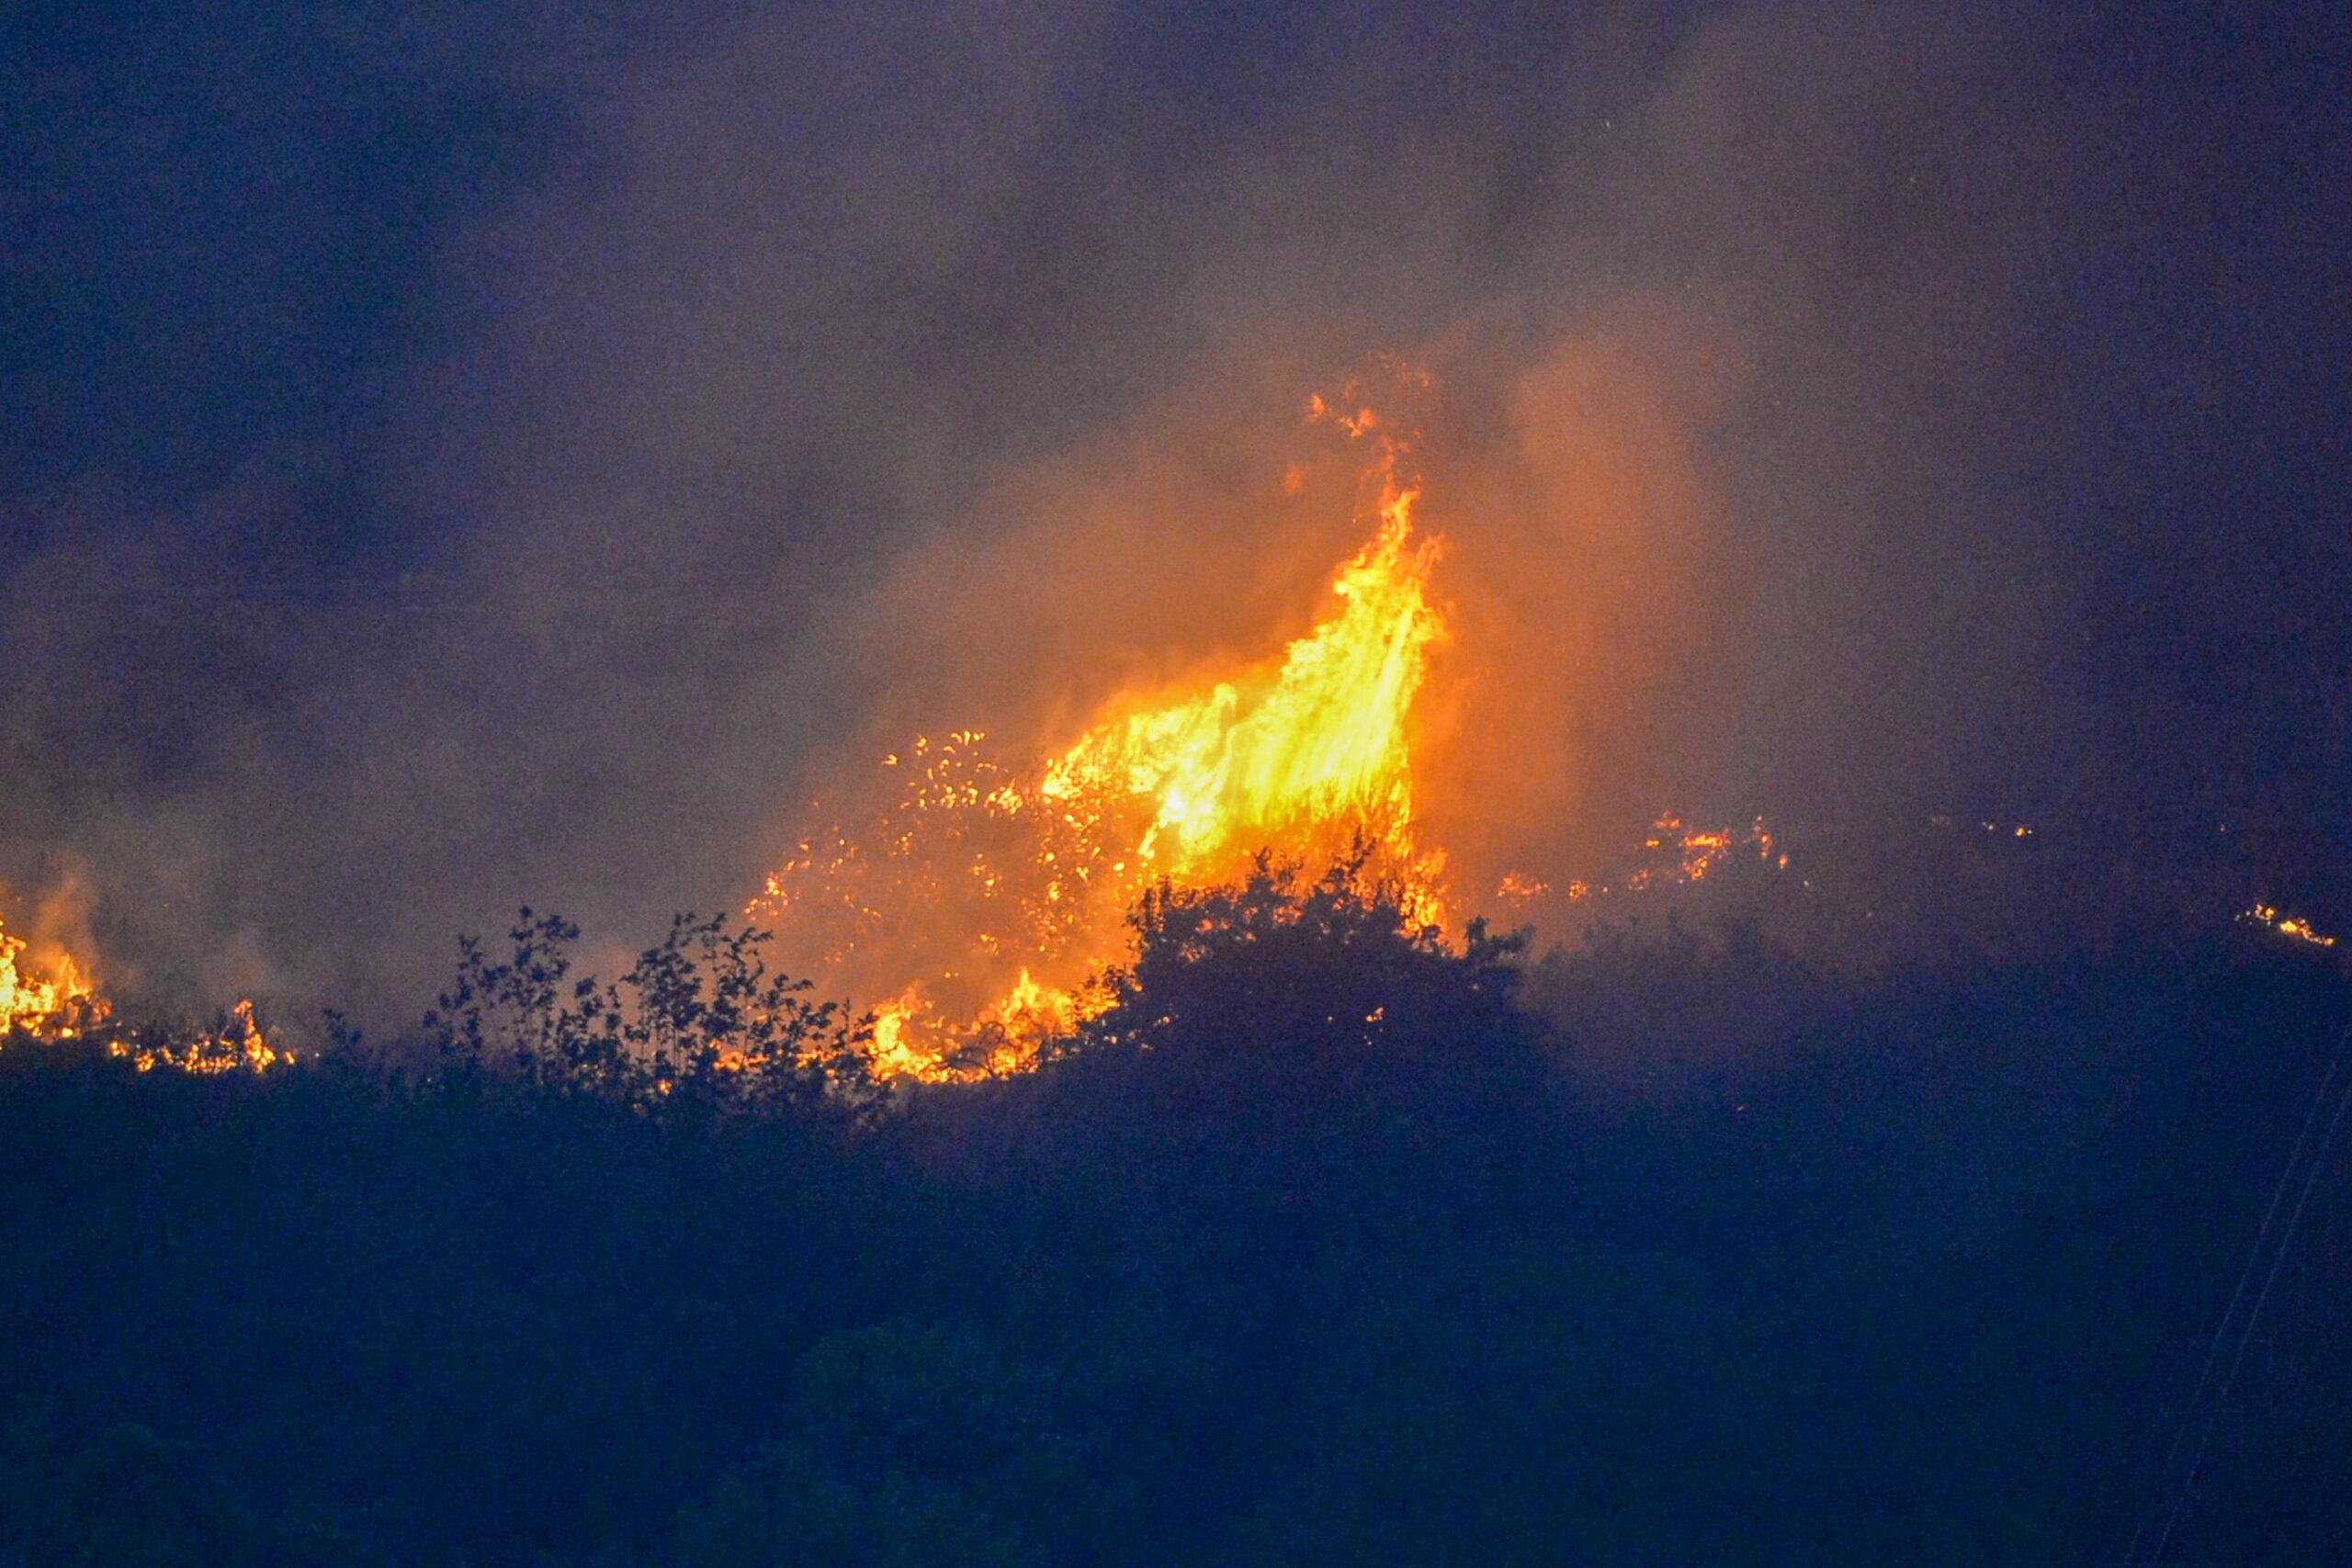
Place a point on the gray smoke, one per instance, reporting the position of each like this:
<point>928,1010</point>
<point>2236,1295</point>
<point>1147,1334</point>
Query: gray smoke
<point>841,372</point>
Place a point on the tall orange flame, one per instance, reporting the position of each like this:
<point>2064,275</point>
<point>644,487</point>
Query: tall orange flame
<point>980,869</point>
<point>1248,764</point>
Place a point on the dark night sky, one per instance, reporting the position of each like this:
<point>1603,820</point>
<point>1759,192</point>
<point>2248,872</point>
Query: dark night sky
<point>456,456</point>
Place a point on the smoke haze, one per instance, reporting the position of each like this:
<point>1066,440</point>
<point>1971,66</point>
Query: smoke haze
<point>528,461</point>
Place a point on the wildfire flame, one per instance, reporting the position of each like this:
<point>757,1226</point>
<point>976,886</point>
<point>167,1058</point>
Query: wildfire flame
<point>240,1047</point>
<point>1673,854</point>
<point>2292,926</point>
<point>1323,743</point>
<point>980,869</point>
<point>64,1008</point>
<point>985,897</point>
<point>65,1002</point>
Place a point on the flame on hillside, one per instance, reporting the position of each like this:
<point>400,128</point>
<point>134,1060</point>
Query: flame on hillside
<point>1676,853</point>
<point>59,1004</point>
<point>237,1047</point>
<point>986,894</point>
<point>50,1005</point>
<point>984,898</point>
<point>2292,926</point>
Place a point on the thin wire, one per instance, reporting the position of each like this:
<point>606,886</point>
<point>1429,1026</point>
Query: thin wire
<point>2245,1276</point>
<point>2311,1180</point>
<point>2286,1240</point>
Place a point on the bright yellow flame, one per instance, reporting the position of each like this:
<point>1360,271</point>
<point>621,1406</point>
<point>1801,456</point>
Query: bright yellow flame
<point>895,1056</point>
<point>65,1002</point>
<point>65,1007</point>
<point>979,870</point>
<point>1325,741</point>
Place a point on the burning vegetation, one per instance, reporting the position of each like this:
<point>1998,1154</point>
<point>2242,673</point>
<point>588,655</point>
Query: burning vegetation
<point>50,1002</point>
<point>56,1002</point>
<point>985,895</point>
<point>2294,927</point>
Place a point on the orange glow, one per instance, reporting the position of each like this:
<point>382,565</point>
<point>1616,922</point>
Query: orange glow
<point>1677,853</point>
<point>1268,761</point>
<point>63,1007</point>
<point>1005,888</point>
<point>238,1048</point>
<point>985,893</point>
<point>1518,889</point>
<point>2299,929</point>
<point>62,1003</point>
<point>894,1056</point>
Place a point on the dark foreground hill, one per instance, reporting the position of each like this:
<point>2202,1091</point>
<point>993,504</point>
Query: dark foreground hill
<point>1321,1246</point>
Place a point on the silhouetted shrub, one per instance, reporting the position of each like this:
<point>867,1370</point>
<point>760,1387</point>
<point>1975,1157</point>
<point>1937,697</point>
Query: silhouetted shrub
<point>1307,1251</point>
<point>698,1024</point>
